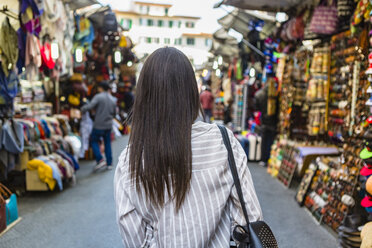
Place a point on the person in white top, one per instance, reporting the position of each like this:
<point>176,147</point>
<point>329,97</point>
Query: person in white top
<point>173,185</point>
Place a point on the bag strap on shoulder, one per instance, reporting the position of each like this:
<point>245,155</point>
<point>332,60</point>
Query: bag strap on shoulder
<point>233,169</point>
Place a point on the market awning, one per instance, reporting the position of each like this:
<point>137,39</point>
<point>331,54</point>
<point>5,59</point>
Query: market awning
<point>224,44</point>
<point>264,5</point>
<point>77,4</point>
<point>239,20</point>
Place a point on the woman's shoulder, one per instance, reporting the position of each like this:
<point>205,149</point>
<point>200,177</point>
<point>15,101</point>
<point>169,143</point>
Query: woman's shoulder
<point>123,162</point>
<point>208,132</point>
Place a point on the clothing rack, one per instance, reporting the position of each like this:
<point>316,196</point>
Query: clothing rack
<point>8,13</point>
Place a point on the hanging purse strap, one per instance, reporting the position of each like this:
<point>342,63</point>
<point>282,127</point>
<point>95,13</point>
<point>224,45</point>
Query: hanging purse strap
<point>233,169</point>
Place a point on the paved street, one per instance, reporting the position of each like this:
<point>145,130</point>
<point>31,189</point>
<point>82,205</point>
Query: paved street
<point>84,216</point>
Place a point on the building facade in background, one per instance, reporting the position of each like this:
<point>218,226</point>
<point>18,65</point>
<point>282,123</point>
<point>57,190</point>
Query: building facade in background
<point>152,25</point>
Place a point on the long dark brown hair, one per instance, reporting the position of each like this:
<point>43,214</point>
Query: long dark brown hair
<point>165,107</point>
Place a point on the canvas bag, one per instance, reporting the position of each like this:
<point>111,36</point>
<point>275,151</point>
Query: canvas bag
<point>11,206</point>
<point>325,18</point>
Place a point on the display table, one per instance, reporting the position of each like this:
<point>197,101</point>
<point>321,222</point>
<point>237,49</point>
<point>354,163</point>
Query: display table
<point>298,158</point>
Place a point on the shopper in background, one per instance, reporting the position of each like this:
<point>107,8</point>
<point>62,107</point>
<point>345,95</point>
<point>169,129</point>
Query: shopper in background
<point>104,105</point>
<point>207,99</point>
<point>173,186</point>
<point>268,124</point>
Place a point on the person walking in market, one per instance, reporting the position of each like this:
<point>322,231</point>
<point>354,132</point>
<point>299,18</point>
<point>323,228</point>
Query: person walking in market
<point>104,105</point>
<point>170,190</point>
<point>268,123</point>
<point>207,99</point>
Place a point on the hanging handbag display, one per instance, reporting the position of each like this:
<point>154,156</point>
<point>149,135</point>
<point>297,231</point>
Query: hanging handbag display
<point>11,206</point>
<point>255,234</point>
<point>325,18</point>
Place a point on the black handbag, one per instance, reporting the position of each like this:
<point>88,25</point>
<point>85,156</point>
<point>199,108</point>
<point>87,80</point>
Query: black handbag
<point>255,234</point>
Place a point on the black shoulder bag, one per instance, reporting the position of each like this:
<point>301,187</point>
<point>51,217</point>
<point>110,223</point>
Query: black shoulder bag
<point>255,234</point>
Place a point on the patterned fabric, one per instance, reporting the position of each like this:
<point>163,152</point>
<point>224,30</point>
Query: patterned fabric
<point>211,207</point>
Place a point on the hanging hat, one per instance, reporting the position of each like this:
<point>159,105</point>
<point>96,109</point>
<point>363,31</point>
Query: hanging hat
<point>366,235</point>
<point>369,70</point>
<point>369,102</point>
<point>366,171</point>
<point>348,200</point>
<point>365,154</point>
<point>369,186</point>
<point>346,243</point>
<point>352,223</point>
<point>367,201</point>
<point>369,90</point>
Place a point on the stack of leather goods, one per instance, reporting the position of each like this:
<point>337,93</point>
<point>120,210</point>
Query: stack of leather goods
<point>349,231</point>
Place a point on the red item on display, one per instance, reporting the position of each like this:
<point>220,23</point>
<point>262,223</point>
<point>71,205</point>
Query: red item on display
<point>369,120</point>
<point>365,171</point>
<point>46,55</point>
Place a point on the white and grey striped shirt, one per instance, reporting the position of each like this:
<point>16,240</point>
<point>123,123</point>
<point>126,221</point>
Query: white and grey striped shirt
<point>211,207</point>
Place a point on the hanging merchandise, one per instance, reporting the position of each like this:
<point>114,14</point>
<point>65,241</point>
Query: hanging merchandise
<point>8,47</point>
<point>8,88</point>
<point>11,204</point>
<point>109,23</point>
<point>84,34</point>
<point>30,16</point>
<point>325,19</point>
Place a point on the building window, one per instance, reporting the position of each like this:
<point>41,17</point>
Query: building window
<point>127,23</point>
<point>170,24</point>
<point>207,42</point>
<point>178,41</point>
<point>148,9</point>
<point>179,24</point>
<point>190,41</point>
<point>140,21</point>
<point>166,11</point>
<point>148,40</point>
<point>156,40</point>
<point>190,25</point>
<point>150,22</point>
<point>166,40</point>
<point>160,23</point>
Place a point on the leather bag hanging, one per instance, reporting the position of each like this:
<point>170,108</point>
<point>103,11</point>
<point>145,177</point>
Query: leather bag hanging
<point>2,214</point>
<point>325,18</point>
<point>11,206</point>
<point>255,234</point>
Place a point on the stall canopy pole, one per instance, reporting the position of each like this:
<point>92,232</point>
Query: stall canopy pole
<point>258,51</point>
<point>250,45</point>
<point>7,12</point>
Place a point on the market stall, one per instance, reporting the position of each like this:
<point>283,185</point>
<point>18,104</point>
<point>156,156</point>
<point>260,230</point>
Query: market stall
<point>317,67</point>
<point>52,55</point>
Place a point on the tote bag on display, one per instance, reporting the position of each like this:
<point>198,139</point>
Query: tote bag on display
<point>11,206</point>
<point>325,18</point>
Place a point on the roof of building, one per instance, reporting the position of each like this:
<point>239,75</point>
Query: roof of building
<point>147,15</point>
<point>154,3</point>
<point>187,17</point>
<point>198,35</point>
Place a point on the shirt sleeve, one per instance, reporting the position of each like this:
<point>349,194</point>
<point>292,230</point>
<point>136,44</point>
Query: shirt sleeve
<point>90,105</point>
<point>132,228</point>
<point>251,201</point>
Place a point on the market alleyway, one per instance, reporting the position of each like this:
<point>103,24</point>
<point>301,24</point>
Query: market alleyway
<point>84,216</point>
